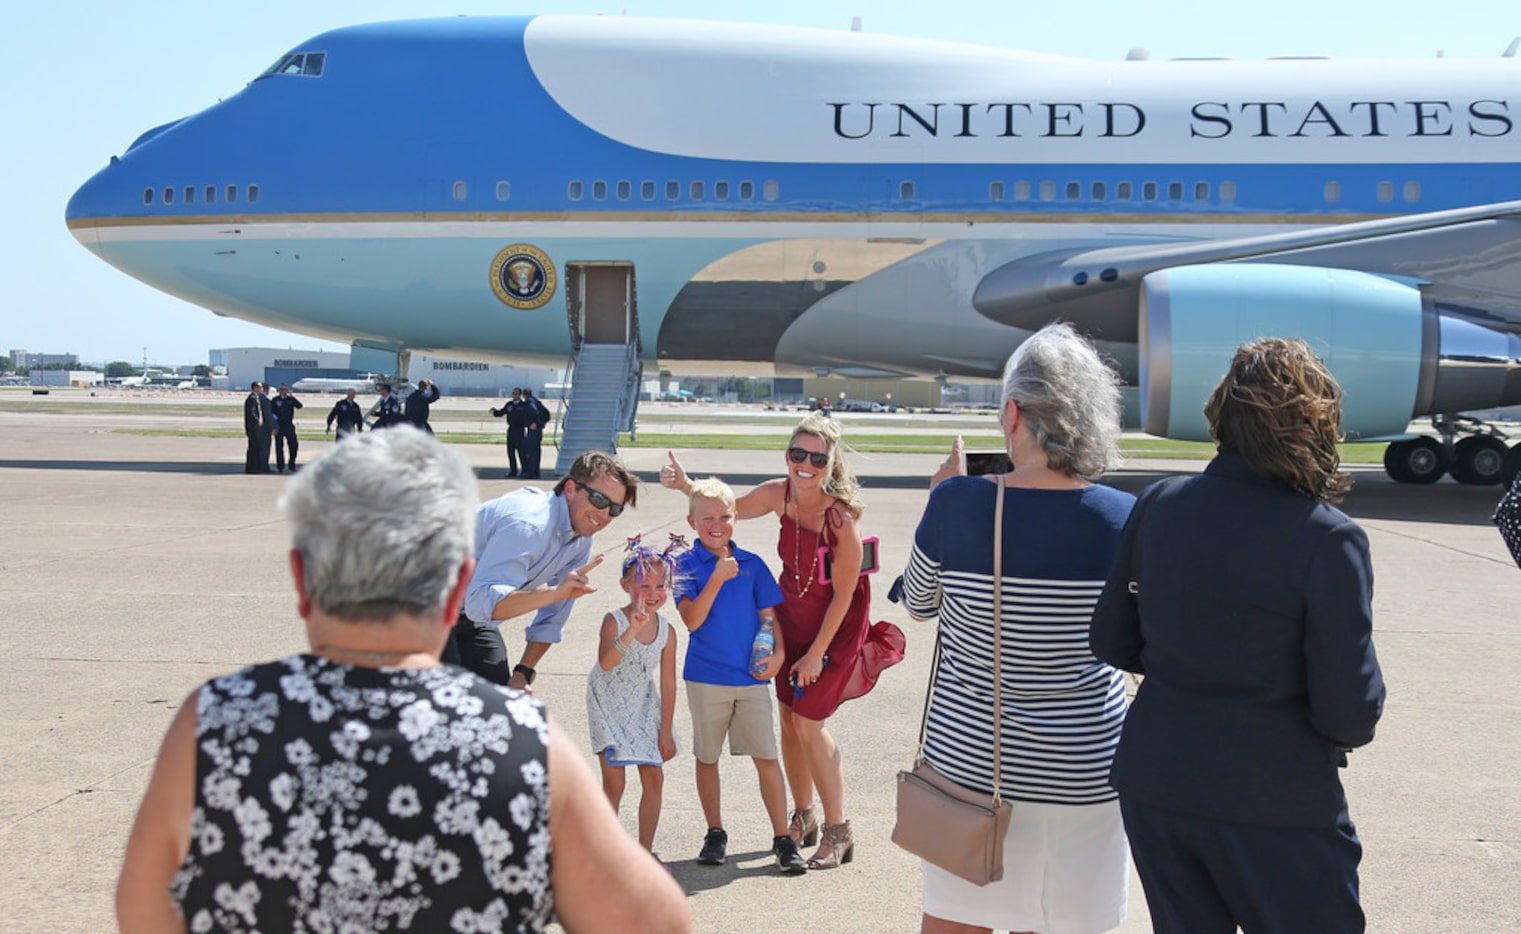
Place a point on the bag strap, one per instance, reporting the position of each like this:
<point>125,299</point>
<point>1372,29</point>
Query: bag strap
<point>997,658</point>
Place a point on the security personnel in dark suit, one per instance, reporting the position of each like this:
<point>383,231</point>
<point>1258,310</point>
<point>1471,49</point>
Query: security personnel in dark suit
<point>418,402</point>
<point>387,410</point>
<point>253,423</point>
<point>348,414</point>
<point>536,417</point>
<point>1252,620</point>
<point>285,405</point>
<point>516,424</point>
<point>266,427</point>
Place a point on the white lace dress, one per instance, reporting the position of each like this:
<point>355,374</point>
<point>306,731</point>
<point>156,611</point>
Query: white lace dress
<point>623,705</point>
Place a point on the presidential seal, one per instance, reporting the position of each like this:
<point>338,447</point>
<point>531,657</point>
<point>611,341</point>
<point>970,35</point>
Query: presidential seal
<point>523,276</point>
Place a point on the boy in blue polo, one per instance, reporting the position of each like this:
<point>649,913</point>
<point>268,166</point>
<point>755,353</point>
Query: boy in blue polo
<point>724,594</point>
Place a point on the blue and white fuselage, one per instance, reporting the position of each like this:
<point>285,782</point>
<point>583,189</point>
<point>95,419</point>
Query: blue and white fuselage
<point>857,203</point>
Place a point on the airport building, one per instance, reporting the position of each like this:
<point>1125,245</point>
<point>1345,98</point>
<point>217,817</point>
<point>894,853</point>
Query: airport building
<point>246,365</point>
<point>25,360</point>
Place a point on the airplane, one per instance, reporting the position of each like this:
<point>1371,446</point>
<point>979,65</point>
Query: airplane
<point>330,384</point>
<point>780,200</point>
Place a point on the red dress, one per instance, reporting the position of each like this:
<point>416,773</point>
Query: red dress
<point>860,650</point>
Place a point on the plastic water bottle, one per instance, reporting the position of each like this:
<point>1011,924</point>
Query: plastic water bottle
<point>762,647</point>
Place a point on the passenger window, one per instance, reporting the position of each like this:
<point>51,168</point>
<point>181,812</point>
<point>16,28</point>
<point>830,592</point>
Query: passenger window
<point>189,194</point>
<point>231,194</point>
<point>574,190</point>
<point>1227,192</point>
<point>721,191</point>
<point>1412,191</point>
<point>1201,191</point>
<point>625,189</point>
<point>1174,191</point>
<point>696,191</point>
<point>647,190</point>
<point>147,196</point>
<point>168,195</point>
<point>211,194</point>
<point>1333,192</point>
<point>747,191</point>
<point>1073,191</point>
<point>906,191</point>
<point>460,191</point>
<point>599,190</point>
<point>1385,192</point>
<point>1048,191</point>
<point>1021,191</point>
<point>771,190</point>
<point>503,191</point>
<point>253,194</point>
<point>1098,191</point>
<point>1122,191</point>
<point>1148,191</point>
<point>672,190</point>
<point>995,191</point>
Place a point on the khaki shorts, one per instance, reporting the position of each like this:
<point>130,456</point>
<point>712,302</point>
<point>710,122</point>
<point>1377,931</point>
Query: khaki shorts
<point>741,713</point>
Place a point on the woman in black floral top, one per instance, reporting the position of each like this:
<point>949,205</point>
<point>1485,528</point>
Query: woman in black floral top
<point>363,786</point>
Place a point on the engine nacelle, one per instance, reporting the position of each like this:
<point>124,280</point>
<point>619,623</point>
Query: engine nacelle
<point>1394,354</point>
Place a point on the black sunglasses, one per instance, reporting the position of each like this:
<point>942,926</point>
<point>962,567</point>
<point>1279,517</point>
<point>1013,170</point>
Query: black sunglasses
<point>798,455</point>
<point>600,501</point>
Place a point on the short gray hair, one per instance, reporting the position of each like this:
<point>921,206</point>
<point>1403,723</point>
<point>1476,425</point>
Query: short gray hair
<point>383,522</point>
<point>1070,397</point>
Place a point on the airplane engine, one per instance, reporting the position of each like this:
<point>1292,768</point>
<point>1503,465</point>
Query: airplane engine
<point>1395,354</point>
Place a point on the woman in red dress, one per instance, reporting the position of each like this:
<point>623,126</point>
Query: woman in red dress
<point>834,653</point>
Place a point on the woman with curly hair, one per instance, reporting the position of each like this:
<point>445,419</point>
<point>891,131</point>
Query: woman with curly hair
<point>833,651</point>
<point>1251,618</point>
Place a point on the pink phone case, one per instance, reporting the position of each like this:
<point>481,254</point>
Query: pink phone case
<point>869,558</point>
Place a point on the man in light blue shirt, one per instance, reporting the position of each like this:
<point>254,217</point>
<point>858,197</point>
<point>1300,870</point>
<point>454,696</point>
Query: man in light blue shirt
<point>531,552</point>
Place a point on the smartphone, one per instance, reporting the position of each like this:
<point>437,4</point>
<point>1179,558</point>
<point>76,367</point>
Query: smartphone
<point>869,561</point>
<point>984,462</point>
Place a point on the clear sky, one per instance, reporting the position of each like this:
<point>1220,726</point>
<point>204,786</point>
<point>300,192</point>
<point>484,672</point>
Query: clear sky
<point>83,78</point>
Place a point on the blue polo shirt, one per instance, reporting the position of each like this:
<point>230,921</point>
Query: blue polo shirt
<point>718,651</point>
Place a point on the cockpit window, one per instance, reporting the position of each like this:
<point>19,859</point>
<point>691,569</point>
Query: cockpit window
<point>308,64</point>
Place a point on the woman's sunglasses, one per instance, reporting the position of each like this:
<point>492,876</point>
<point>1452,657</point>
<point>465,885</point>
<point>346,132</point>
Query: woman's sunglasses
<point>600,501</point>
<point>798,455</point>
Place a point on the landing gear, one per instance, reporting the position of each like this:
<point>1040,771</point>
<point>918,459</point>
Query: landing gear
<point>1480,458</point>
<point>1419,460</point>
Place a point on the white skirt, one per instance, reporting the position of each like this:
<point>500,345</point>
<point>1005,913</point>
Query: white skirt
<point>1066,870</point>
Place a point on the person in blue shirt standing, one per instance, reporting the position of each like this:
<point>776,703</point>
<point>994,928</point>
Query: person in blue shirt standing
<point>516,422</point>
<point>536,418</point>
<point>531,551</point>
<point>285,405</point>
<point>387,410</point>
<point>724,594</point>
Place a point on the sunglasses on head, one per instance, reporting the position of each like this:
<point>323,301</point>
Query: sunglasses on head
<point>798,455</point>
<point>600,501</point>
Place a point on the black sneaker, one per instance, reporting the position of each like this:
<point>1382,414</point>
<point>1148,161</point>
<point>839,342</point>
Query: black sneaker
<point>788,859</point>
<point>714,846</point>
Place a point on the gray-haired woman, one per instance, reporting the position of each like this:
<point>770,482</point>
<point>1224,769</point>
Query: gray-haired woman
<point>1066,865</point>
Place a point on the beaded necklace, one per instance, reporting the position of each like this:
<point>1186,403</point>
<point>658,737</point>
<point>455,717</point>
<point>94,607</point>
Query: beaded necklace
<point>797,541</point>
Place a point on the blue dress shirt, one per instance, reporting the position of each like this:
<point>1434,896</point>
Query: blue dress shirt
<point>524,540</point>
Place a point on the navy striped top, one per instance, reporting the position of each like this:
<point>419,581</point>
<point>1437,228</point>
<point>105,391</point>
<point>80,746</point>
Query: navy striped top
<point>1062,708</point>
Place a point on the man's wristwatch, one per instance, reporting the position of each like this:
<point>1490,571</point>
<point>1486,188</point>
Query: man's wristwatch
<point>527,673</point>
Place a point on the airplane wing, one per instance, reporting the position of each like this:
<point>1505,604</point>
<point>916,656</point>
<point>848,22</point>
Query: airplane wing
<point>1466,259</point>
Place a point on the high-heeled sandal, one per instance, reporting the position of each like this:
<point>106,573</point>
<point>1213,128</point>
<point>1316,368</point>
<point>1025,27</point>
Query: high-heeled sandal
<point>804,827</point>
<point>835,849</point>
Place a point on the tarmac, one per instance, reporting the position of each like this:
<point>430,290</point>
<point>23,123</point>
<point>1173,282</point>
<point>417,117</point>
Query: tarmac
<point>132,568</point>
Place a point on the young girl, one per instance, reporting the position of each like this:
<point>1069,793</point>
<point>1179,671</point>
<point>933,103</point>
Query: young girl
<point>630,718</point>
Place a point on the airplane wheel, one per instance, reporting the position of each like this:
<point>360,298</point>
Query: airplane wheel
<point>1419,460</point>
<point>1479,460</point>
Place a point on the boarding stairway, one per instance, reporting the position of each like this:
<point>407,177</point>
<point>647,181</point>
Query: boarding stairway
<point>604,396</point>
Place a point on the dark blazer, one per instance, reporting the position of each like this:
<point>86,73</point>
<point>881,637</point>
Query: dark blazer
<point>349,415</point>
<point>1253,626</point>
<point>268,409</point>
<point>251,410</point>
<point>417,406</point>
